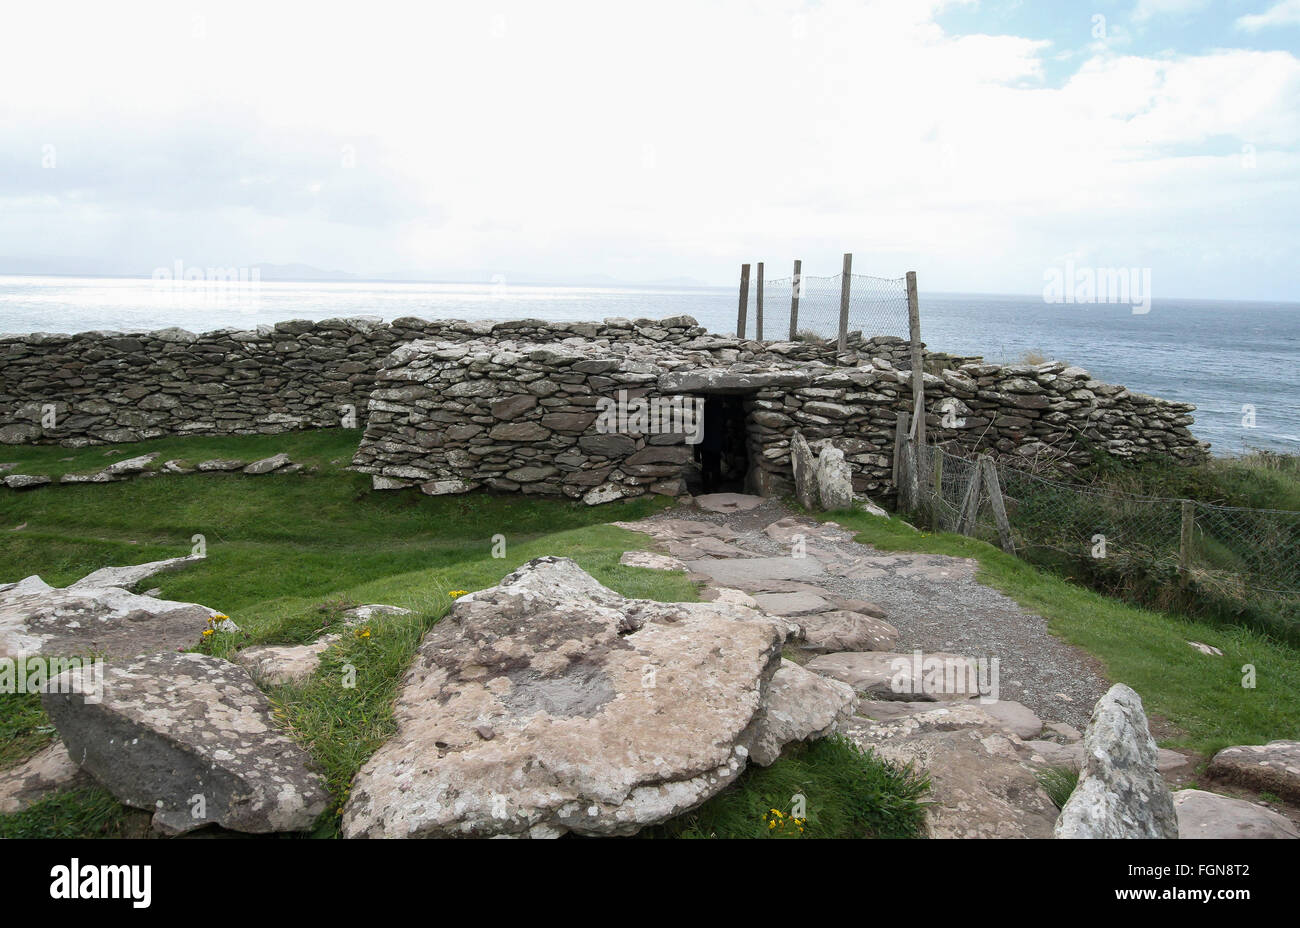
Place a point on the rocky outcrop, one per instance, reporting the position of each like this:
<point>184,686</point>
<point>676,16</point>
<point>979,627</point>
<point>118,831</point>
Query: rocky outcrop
<point>95,615</point>
<point>801,706</point>
<point>1203,814</point>
<point>550,703</point>
<point>190,738</point>
<point>978,786</point>
<point>277,665</point>
<point>1272,768</point>
<point>934,676</point>
<point>1120,793</point>
<point>47,771</point>
<point>843,630</point>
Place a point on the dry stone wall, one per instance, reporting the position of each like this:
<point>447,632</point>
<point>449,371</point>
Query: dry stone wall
<point>451,405</point>
<point>519,415</point>
<point>108,387</point>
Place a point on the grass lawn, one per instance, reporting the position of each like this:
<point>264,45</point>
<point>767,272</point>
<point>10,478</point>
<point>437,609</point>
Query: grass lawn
<point>286,554</point>
<point>1201,696</point>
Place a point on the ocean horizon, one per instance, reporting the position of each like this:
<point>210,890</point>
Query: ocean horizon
<point>1237,361</point>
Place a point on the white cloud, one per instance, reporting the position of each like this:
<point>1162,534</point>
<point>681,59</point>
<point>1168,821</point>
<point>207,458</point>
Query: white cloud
<point>679,140</point>
<point>1284,13</point>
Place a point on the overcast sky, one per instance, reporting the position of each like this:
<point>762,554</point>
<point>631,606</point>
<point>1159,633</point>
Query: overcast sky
<point>978,143</point>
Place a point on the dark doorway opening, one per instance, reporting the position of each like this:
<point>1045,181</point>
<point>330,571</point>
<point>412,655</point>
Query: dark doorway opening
<point>722,454</point>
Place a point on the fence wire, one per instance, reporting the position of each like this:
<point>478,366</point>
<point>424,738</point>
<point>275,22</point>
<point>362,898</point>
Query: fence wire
<point>1236,555</point>
<point>877,306</point>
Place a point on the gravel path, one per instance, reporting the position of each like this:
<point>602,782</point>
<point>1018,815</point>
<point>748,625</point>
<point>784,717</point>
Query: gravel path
<point>936,604</point>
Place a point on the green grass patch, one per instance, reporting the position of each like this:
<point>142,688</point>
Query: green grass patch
<point>24,728</point>
<point>1058,783</point>
<point>326,449</point>
<point>1201,695</point>
<point>846,793</point>
<point>90,812</point>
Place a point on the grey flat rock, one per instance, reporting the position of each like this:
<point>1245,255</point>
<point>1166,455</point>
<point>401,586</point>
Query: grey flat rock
<point>842,630</point>
<point>889,674</point>
<point>36,618</point>
<point>190,738</point>
<point>1208,815</point>
<point>1272,767</point>
<point>728,502</point>
<point>129,576</point>
<point>743,573</point>
<point>607,714</point>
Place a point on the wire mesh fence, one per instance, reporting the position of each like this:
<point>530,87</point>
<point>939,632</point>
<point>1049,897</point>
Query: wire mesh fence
<point>877,306</point>
<point>1170,552</point>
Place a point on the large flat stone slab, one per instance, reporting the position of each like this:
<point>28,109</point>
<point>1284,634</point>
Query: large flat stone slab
<point>550,703</point>
<point>744,573</point>
<point>190,738</point>
<point>978,787</point>
<point>126,577</point>
<point>798,603</point>
<point>934,676</point>
<point>1203,814</point>
<point>728,502</point>
<point>36,618</point>
<point>1272,767</point>
<point>841,630</point>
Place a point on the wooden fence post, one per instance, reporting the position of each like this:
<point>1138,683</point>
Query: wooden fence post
<point>918,365</point>
<point>1185,544</point>
<point>758,305</point>
<point>744,301</point>
<point>795,283</point>
<point>998,504</point>
<point>970,503</point>
<point>846,279</point>
<point>900,460</point>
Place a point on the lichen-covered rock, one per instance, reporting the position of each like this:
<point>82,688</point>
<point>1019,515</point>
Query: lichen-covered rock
<point>834,479</point>
<point>191,738</point>
<point>978,786</point>
<point>1272,767</point>
<point>276,665</point>
<point>842,630</point>
<point>932,676</point>
<point>1120,792</point>
<point>606,714</point>
<point>804,471</point>
<point>801,706</point>
<point>36,618</point>
<point>1203,814</point>
<point>47,771</point>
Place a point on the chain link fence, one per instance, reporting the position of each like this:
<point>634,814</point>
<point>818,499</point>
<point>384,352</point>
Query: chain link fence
<point>1170,553</point>
<point>877,306</point>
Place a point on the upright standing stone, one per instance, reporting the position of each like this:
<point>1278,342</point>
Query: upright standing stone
<point>834,479</point>
<point>805,471</point>
<point>1120,793</point>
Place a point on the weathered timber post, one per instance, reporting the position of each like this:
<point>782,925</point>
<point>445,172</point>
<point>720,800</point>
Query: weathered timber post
<point>795,283</point>
<point>1185,544</point>
<point>744,301</point>
<point>758,305</point>
<point>997,504</point>
<point>846,279</point>
<point>970,503</point>
<point>918,367</point>
<point>899,472</point>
